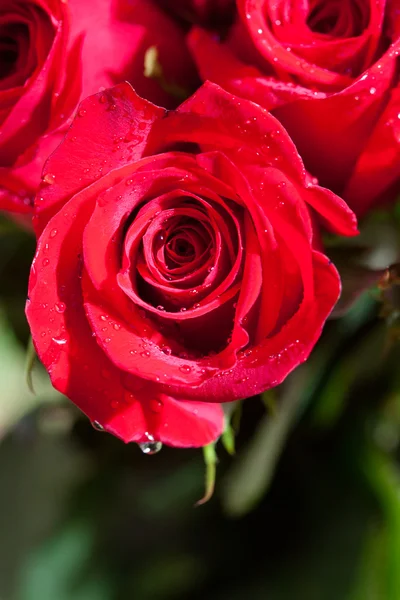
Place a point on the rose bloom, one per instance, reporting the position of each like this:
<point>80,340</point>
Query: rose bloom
<point>177,266</point>
<point>55,52</point>
<point>329,70</point>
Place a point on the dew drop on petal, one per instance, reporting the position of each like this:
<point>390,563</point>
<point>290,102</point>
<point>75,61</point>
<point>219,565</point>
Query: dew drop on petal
<point>185,369</point>
<point>49,178</point>
<point>150,446</point>
<point>97,426</point>
<point>60,341</point>
<point>60,307</point>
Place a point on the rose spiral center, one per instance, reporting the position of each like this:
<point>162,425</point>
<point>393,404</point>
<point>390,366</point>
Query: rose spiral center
<point>338,18</point>
<point>10,48</point>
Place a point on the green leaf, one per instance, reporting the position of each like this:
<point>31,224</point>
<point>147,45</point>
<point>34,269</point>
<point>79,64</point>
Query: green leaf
<point>29,364</point>
<point>228,439</point>
<point>15,398</point>
<point>59,569</point>
<point>210,459</point>
<point>382,474</point>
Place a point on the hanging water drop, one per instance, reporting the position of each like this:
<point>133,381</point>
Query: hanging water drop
<point>97,426</point>
<point>150,446</point>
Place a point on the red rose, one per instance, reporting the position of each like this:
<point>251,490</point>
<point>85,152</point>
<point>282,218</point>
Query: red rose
<point>176,265</point>
<point>330,72</point>
<point>55,52</point>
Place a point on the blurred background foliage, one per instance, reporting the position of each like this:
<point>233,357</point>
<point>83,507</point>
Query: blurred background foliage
<point>308,508</point>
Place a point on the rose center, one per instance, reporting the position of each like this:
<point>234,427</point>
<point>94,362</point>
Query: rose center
<point>8,55</point>
<point>181,243</point>
<point>338,18</point>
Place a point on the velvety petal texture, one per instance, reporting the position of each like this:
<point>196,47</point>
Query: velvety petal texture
<point>53,53</point>
<point>329,70</point>
<point>177,264</point>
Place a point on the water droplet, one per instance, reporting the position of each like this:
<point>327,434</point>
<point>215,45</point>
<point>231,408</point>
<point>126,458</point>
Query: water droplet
<point>260,31</point>
<point>185,369</point>
<point>81,112</point>
<point>60,307</point>
<point>116,326</point>
<point>156,406</point>
<point>145,354</point>
<point>53,233</point>
<point>59,341</point>
<point>103,99</point>
<point>151,446</point>
<point>97,426</point>
<point>161,308</point>
<point>166,350</point>
<point>107,340</point>
<point>372,90</point>
<point>103,317</point>
<point>183,309</point>
<point>128,182</point>
<point>49,178</point>
<point>45,262</point>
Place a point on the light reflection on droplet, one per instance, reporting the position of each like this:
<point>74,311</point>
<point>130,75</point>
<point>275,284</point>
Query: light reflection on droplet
<point>151,446</point>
